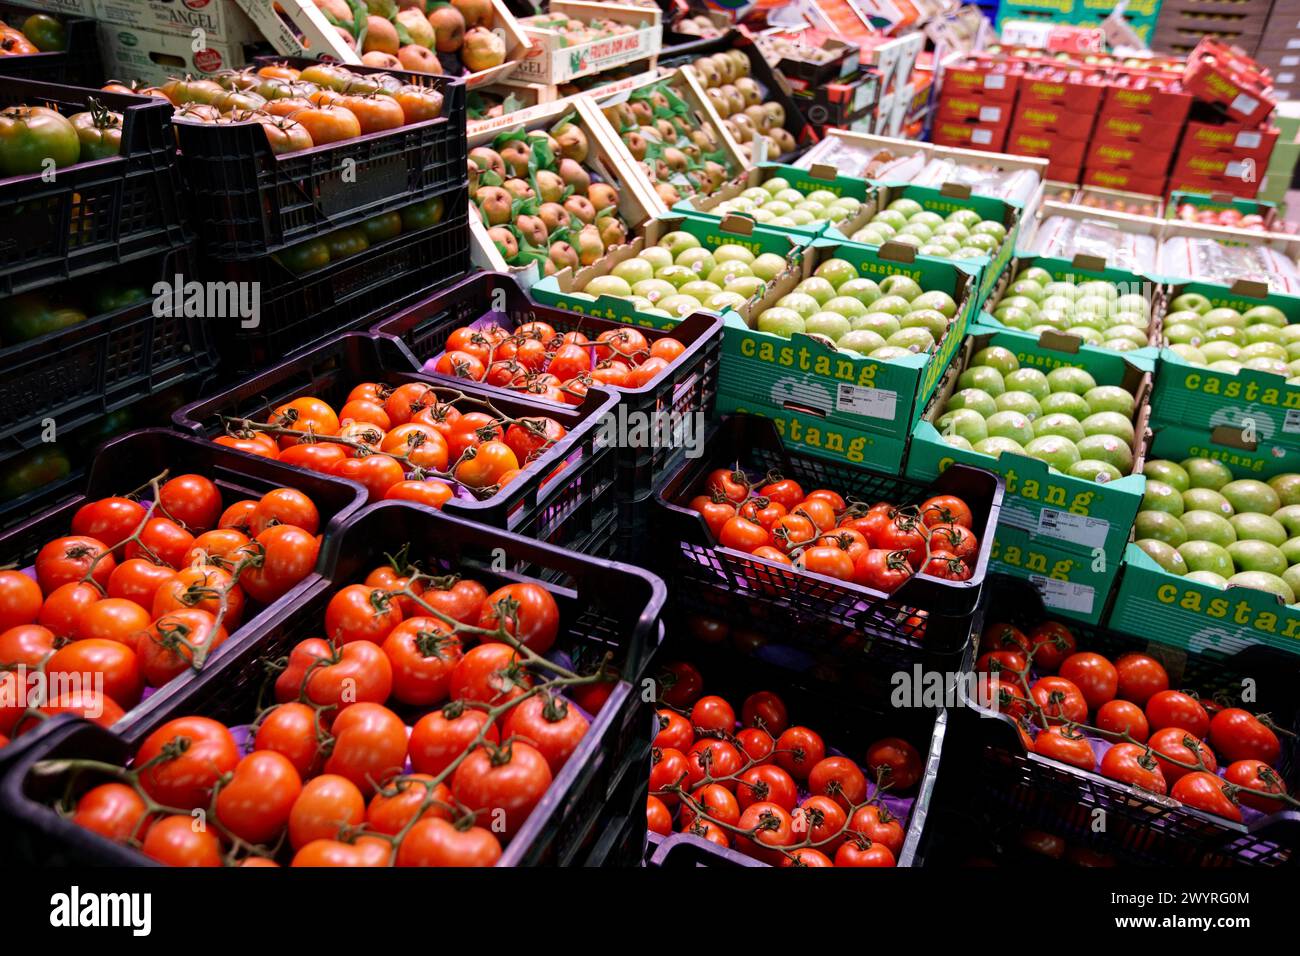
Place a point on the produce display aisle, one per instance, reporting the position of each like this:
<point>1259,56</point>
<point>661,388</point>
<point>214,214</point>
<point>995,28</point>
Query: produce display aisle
<point>647,436</point>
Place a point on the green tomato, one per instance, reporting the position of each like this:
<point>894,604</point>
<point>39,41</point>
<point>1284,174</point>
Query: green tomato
<point>31,135</point>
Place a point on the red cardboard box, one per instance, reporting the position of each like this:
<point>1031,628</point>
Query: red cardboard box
<point>1218,74</point>
<point>982,77</point>
<point>1058,121</point>
<point>1115,177</point>
<point>1063,172</point>
<point>986,136</point>
<point>1080,92</point>
<point>961,109</point>
<point>1219,166</point>
<point>1137,128</point>
<point>1164,100</point>
<point>1215,184</point>
<point>1136,157</point>
<point>1033,142</point>
<point>1255,142</point>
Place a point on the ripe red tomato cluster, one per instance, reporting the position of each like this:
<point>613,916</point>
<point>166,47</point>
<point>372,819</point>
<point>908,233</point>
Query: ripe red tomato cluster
<point>335,774</point>
<point>391,438</point>
<point>1167,741</point>
<point>878,547</point>
<point>136,595</point>
<point>535,359</point>
<point>759,784</point>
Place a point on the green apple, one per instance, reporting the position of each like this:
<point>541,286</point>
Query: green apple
<point>975,399</point>
<point>982,377</point>
<point>1089,469</point>
<point>767,266</point>
<point>997,357</point>
<point>965,422</point>
<point>995,445</point>
<point>820,289</point>
<point>1108,448</point>
<point>724,300</point>
<point>1289,517</point>
<point>882,323</point>
<point>836,271</point>
<point>654,289</point>
<point>1161,526</point>
<point>679,305</point>
<point>1263,581</point>
<point>678,242</point>
<point>1203,555</point>
<point>939,301</point>
<point>1011,425</point>
<point>780,321</point>
<point>1169,472</point>
<point>1251,554</point>
<point>1162,497</point>
<point>1247,494</point>
<point>633,271</point>
<point>1206,473</point>
<point>894,304</point>
<point>1111,398</point>
<point>1208,578</point>
<point>1066,403</point>
<point>1192,302</point>
<point>1069,379</point>
<point>936,323</point>
<point>801,302</point>
<point>863,341</point>
<point>1208,526</point>
<point>745,286</point>
<point>864,290</point>
<point>1036,273</point>
<point>900,285</point>
<point>1252,525</point>
<point>1164,555</point>
<point>1265,315</point>
<point>1021,402</point>
<point>830,324</point>
<point>723,272</point>
<point>657,256</point>
<point>913,339</point>
<point>1055,451</point>
<point>905,207</point>
<point>700,289</point>
<point>1058,423</point>
<point>1109,423</point>
<point>967,217</point>
<point>608,285</point>
<point>701,260</point>
<point>730,252</point>
<point>1029,380</point>
<point>1287,487</point>
<point>776,184</point>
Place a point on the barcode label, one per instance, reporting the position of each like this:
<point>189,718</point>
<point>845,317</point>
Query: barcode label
<point>1291,424</point>
<point>1064,595</point>
<point>1245,104</point>
<point>1089,532</point>
<point>872,402</point>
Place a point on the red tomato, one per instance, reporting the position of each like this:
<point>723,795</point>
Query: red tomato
<point>717,803</point>
<point>895,762</point>
<point>713,713</point>
<point>1051,643</point>
<point>163,539</point>
<point>551,724</point>
<point>503,785</point>
<point>169,647</point>
<point>1205,791</point>
<point>441,736</point>
<point>410,795</point>
<point>798,750</point>
<point>1235,734</point>
<point>1175,744</point>
<point>945,509</point>
<point>859,852</point>
<point>766,710</point>
<point>1060,699</point>
<point>1066,745</point>
<point>491,674</point>
<point>757,744</point>
<point>878,825</point>
<point>192,500</point>
<point>949,567</point>
<point>1123,716</point>
<point>882,570</point>
<point>1140,677</point>
<point>675,731</point>
<point>1255,775</point>
<point>436,842</point>
<point>1132,764</point>
<point>423,652</point>
<point>822,821</point>
<point>359,670</point>
<point>185,778</point>
<point>766,783</point>
<point>327,804</point>
<point>525,611</point>
<point>361,613</point>
<point>113,810</point>
<point>772,826</point>
<point>840,779</point>
<point>1095,676</point>
<point>69,560</point>
<point>255,804</point>
<point>668,768</point>
<point>785,491</point>
<point>680,684</point>
<point>173,841</point>
<point>1173,708</point>
<point>111,520</point>
<point>369,745</point>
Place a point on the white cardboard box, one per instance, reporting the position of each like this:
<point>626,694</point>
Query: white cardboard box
<point>153,57</point>
<point>220,20</point>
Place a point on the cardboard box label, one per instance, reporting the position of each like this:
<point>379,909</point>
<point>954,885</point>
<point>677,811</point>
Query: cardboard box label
<point>995,81</point>
<point>862,400</point>
<point>990,114</point>
<point>1064,595</point>
<point>981,136</point>
<point>1089,532</point>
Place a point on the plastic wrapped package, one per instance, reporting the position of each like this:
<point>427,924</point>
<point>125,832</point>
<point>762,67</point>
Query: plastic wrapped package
<point>851,158</point>
<point>1061,237</point>
<point>1208,260</point>
<point>1010,185</point>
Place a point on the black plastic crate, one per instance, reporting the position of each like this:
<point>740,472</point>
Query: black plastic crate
<point>688,388</point>
<point>130,461</point>
<point>77,374</point>
<point>606,608</point>
<point>846,718</point>
<point>774,86</point>
<point>298,312</point>
<point>562,507</point>
<point>1016,789</point>
<point>78,64</point>
<point>248,201</point>
<point>621,828</point>
<point>816,607</point>
<point>94,214</point>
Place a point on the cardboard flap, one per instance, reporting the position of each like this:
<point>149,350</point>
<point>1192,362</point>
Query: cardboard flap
<point>822,171</point>
<point>898,252</point>
<point>1231,437</point>
<point>738,224</point>
<point>955,190</point>
<point>1088,263</point>
<point>1251,288</point>
<point>1060,341</point>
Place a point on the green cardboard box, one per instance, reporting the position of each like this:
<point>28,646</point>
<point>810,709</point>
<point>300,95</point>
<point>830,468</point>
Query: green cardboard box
<point>564,289</point>
<point>944,201</point>
<point>1195,396</point>
<point>1071,585</point>
<point>869,403</point>
<point>1081,269</point>
<point>1200,617</point>
<point>1076,515</point>
<point>818,176</point>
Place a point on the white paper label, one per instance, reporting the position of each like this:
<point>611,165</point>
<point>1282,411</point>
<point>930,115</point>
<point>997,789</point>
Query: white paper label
<point>1244,104</point>
<point>1064,595</point>
<point>1235,170</point>
<point>1248,139</point>
<point>981,136</point>
<point>1291,424</point>
<point>995,81</point>
<point>862,98</point>
<point>1089,532</point>
<point>1293,44</point>
<point>1289,61</point>
<point>990,114</point>
<point>1286,78</point>
<point>872,402</point>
